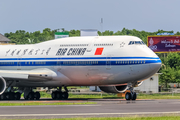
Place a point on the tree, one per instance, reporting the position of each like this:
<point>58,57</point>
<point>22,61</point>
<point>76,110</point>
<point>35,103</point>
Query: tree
<point>167,76</point>
<point>177,75</point>
<point>173,60</point>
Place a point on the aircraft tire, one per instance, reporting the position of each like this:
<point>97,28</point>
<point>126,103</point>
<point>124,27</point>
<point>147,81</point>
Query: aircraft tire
<point>26,98</point>
<point>8,96</point>
<point>128,96</point>
<point>65,95</point>
<point>59,95</point>
<point>17,96</point>
<point>3,96</point>
<point>31,96</point>
<point>53,95</point>
<point>12,96</point>
<point>37,95</point>
<point>134,96</point>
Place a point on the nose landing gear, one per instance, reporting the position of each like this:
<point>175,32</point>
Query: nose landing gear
<point>130,95</point>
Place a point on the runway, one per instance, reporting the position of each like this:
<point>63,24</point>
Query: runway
<point>103,108</point>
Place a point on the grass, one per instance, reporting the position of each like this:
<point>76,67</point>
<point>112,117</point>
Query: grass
<point>159,96</point>
<point>99,96</point>
<point>114,118</point>
<point>40,103</point>
<point>78,87</point>
<point>114,96</point>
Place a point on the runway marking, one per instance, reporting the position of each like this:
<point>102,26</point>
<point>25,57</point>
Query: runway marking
<point>83,114</point>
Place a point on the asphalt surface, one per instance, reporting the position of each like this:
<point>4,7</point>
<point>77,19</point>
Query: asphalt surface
<point>103,108</point>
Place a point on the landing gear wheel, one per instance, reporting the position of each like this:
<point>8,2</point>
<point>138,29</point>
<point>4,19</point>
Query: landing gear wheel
<point>134,96</point>
<point>37,95</point>
<point>26,98</point>
<point>3,96</point>
<point>17,96</point>
<point>59,95</point>
<point>9,96</point>
<point>128,96</point>
<point>65,95</point>
<point>12,95</point>
<point>53,95</point>
<point>31,96</point>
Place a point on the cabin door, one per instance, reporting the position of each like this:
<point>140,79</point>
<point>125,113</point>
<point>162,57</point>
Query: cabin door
<point>108,62</point>
<point>91,44</point>
<point>59,62</point>
<point>19,59</point>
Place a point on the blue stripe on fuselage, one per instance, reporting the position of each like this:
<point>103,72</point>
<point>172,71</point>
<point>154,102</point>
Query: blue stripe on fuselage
<point>78,58</point>
<point>80,63</point>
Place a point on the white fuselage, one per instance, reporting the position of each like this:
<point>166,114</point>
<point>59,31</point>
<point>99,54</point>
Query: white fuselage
<point>78,61</point>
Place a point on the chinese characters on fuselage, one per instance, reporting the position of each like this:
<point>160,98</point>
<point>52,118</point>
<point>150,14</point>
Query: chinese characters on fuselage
<point>20,52</point>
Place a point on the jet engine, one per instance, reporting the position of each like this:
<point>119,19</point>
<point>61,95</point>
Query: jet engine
<point>114,89</point>
<point>2,85</point>
<point>118,89</point>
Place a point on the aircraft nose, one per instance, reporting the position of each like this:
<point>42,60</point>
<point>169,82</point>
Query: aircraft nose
<point>155,66</point>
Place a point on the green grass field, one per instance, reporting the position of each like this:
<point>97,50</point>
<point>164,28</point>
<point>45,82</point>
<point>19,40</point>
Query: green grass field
<point>105,96</point>
<point>41,103</point>
<point>159,96</point>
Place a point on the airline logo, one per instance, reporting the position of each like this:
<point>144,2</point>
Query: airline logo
<point>72,51</point>
<point>99,51</point>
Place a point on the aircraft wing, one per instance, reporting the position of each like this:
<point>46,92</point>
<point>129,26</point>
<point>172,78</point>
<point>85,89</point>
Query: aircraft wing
<point>42,74</point>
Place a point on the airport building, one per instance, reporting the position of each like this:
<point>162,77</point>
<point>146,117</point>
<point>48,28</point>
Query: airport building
<point>150,85</point>
<point>89,32</point>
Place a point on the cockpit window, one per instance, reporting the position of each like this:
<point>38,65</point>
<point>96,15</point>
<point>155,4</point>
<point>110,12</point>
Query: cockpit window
<point>136,43</point>
<point>131,43</point>
<point>142,42</point>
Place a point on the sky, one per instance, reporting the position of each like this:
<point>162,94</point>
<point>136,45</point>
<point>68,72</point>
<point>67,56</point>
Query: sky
<point>35,15</point>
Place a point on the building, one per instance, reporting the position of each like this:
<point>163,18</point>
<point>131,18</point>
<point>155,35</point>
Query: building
<point>89,32</point>
<point>4,39</point>
<point>150,85</point>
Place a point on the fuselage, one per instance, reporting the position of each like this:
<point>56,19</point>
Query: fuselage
<point>105,60</point>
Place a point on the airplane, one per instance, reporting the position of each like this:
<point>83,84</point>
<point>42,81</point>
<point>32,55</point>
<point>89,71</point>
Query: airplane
<point>114,63</point>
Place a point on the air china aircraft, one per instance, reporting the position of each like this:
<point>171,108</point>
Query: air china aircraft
<point>114,63</point>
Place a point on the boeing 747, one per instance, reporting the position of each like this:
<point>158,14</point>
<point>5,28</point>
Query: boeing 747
<point>114,63</point>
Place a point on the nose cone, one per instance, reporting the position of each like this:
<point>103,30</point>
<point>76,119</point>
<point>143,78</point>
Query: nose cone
<point>156,65</point>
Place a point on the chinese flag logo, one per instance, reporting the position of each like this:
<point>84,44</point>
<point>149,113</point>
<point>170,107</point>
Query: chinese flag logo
<point>99,51</point>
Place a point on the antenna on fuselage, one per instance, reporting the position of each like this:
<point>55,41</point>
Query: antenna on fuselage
<point>101,26</point>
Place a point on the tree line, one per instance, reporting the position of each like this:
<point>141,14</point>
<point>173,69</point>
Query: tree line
<point>170,61</point>
<point>23,37</point>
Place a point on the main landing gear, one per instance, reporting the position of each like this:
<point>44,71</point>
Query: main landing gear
<point>130,95</point>
<point>31,95</point>
<point>10,94</point>
<point>59,95</point>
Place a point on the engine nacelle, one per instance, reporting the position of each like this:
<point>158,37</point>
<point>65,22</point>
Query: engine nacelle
<point>114,89</point>
<point>118,89</point>
<point>2,85</point>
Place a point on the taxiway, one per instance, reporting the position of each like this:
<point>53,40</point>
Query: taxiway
<point>103,108</point>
